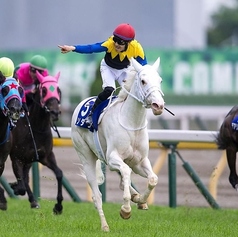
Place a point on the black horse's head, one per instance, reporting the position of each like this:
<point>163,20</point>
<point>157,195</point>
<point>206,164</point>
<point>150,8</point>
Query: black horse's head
<point>11,94</point>
<point>50,94</point>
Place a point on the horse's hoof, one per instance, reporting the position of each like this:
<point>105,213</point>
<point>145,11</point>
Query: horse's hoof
<point>35,205</point>
<point>125,215</point>
<point>142,206</point>
<point>58,209</point>
<point>105,228</point>
<point>3,206</point>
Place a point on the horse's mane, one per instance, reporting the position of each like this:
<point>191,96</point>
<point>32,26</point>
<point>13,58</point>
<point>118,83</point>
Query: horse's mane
<point>127,83</point>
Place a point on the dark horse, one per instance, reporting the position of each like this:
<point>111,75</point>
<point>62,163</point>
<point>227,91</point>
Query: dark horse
<point>227,139</point>
<point>43,110</point>
<point>11,110</point>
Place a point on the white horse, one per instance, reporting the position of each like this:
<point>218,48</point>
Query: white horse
<point>123,137</point>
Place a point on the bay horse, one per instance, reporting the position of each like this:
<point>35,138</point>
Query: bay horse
<point>44,108</point>
<point>121,140</point>
<point>11,94</point>
<point>227,139</point>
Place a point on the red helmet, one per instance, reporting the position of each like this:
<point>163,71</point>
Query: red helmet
<point>124,31</point>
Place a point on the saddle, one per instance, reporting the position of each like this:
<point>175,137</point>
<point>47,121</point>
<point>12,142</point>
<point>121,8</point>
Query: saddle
<point>85,110</point>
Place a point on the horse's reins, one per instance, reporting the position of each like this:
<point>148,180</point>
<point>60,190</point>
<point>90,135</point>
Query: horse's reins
<point>32,135</point>
<point>54,127</point>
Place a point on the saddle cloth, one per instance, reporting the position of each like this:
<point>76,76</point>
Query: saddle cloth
<point>85,110</point>
<point>234,123</point>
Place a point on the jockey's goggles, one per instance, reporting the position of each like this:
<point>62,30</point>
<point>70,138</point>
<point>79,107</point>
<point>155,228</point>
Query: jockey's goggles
<point>119,41</point>
<point>32,69</point>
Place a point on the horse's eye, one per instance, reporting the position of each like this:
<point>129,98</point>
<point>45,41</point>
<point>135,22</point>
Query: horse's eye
<point>5,91</point>
<point>44,92</point>
<point>21,92</point>
<point>143,82</point>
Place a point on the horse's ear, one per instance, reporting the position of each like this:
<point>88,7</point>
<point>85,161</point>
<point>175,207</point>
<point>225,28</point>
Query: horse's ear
<point>156,64</point>
<point>57,76</point>
<point>39,76</point>
<point>136,65</point>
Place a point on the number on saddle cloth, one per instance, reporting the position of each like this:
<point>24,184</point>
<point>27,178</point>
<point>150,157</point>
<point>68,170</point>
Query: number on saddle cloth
<point>234,123</point>
<point>85,110</point>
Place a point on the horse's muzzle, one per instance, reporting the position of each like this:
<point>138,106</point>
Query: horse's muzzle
<point>55,115</point>
<point>15,115</point>
<point>157,109</point>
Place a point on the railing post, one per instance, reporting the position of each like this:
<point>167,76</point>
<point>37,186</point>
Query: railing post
<point>172,176</point>
<point>70,190</point>
<point>197,181</point>
<point>7,187</point>
<point>36,180</point>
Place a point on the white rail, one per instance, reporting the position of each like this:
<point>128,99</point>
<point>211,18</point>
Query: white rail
<point>163,135</point>
<point>185,114</point>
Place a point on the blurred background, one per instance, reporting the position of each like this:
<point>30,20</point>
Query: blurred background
<point>197,41</point>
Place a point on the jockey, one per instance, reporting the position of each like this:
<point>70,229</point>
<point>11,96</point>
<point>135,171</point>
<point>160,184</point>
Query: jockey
<point>26,74</point>
<point>119,48</point>
<point>6,68</point>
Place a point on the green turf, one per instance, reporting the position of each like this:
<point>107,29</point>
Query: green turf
<point>81,219</point>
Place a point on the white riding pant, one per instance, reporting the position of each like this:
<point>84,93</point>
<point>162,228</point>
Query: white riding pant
<point>110,75</point>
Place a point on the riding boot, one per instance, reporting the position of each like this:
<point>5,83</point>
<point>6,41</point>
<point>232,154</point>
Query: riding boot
<point>89,119</point>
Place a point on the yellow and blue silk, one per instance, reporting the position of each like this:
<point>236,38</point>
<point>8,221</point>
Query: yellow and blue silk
<point>113,58</point>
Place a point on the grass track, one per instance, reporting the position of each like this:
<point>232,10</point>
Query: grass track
<point>81,219</point>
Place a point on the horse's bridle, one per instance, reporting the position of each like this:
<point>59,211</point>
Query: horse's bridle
<point>140,97</point>
<point>141,94</point>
